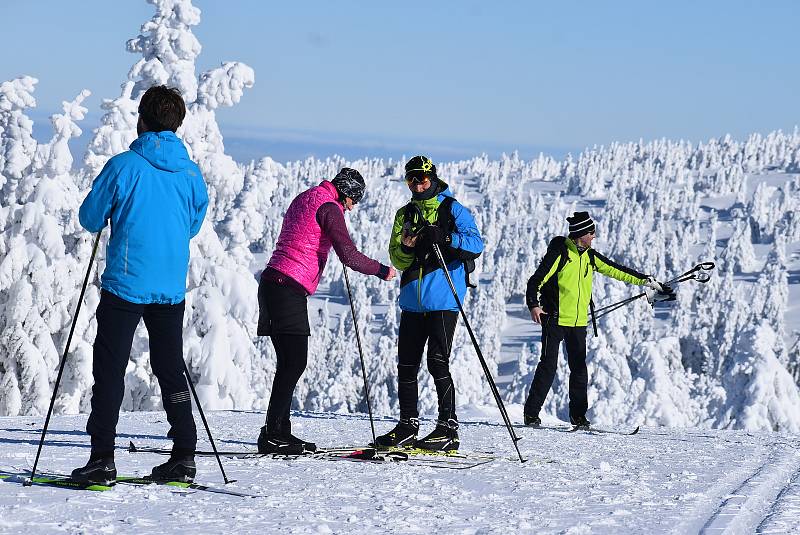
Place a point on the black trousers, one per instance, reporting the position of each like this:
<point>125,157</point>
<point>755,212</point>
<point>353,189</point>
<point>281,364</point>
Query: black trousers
<point>117,320</point>
<point>574,339</point>
<point>435,328</point>
<point>283,315</point>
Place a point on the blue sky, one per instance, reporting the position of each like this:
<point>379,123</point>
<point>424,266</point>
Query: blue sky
<point>459,77</point>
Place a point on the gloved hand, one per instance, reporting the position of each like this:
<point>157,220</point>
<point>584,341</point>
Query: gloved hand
<point>433,234</point>
<point>657,291</point>
<point>654,284</point>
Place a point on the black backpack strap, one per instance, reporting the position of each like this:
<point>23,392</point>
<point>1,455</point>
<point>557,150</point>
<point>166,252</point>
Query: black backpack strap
<point>590,252</point>
<point>560,242</point>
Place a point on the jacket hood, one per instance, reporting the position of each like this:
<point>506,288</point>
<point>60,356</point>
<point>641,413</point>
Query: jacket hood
<point>164,150</point>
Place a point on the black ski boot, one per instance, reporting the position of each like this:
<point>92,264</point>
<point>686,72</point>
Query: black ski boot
<point>580,422</point>
<point>403,434</point>
<point>100,470</point>
<point>179,467</point>
<point>283,444</point>
<point>309,447</point>
<point>443,438</point>
<point>532,421</point>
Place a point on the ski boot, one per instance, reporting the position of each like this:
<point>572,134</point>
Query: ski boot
<point>403,434</point>
<point>580,422</point>
<point>100,470</point>
<point>179,467</point>
<point>532,421</point>
<point>308,447</point>
<point>283,444</point>
<point>443,438</point>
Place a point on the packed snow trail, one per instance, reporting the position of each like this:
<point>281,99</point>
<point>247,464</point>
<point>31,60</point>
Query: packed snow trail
<point>658,481</point>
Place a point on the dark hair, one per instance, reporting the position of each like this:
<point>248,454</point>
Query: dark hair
<point>162,108</point>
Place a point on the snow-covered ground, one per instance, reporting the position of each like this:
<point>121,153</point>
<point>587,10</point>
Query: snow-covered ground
<point>725,355</point>
<point>659,481</point>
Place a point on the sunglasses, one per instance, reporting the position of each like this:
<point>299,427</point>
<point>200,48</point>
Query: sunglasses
<point>417,178</point>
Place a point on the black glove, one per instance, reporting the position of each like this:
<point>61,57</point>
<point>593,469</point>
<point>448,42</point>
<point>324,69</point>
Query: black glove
<point>434,234</point>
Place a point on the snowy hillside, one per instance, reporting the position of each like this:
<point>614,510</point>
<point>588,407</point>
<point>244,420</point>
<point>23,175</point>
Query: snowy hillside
<point>659,481</point>
<point>723,356</point>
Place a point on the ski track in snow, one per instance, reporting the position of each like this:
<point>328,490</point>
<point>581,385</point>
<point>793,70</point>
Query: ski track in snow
<point>660,481</point>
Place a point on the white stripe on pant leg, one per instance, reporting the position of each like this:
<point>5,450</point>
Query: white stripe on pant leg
<point>179,397</point>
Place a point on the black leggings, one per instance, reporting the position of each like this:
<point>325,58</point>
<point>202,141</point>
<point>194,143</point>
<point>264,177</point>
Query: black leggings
<point>415,329</point>
<point>292,352</point>
<point>575,340</point>
<point>283,315</point>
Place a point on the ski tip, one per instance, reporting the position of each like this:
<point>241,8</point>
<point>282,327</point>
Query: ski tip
<point>634,431</point>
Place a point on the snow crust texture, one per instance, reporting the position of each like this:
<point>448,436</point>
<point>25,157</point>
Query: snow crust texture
<point>722,356</point>
<point>658,481</point>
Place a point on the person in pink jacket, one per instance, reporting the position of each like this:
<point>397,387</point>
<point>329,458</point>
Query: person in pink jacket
<point>312,225</point>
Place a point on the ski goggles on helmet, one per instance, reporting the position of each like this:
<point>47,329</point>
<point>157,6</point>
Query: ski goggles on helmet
<point>417,177</point>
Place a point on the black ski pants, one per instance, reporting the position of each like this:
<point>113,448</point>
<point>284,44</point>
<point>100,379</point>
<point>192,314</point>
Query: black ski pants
<point>117,320</point>
<point>574,339</point>
<point>283,316</point>
<point>436,328</point>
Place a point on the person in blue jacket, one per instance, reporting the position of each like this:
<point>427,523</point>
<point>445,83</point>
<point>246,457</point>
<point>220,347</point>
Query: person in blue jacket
<point>154,198</point>
<point>429,310</point>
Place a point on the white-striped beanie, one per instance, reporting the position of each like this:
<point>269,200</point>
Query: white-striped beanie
<point>580,224</point>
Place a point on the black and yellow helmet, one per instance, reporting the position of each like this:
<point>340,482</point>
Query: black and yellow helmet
<point>420,166</point>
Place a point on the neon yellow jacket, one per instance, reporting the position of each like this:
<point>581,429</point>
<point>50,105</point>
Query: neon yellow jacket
<point>562,284</point>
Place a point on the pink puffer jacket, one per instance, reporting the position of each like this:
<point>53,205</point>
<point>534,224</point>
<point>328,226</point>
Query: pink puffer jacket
<point>302,249</point>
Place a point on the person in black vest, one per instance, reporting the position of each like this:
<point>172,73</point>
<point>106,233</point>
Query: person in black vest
<point>429,310</point>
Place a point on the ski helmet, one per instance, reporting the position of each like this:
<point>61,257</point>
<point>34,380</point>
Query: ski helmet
<point>419,166</point>
<point>350,183</point>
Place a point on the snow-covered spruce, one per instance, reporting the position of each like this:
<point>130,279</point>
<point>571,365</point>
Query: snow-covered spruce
<point>661,205</point>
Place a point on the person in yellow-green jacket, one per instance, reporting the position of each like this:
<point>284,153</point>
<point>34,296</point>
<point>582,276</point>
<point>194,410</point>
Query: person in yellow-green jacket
<point>558,297</point>
<point>429,309</point>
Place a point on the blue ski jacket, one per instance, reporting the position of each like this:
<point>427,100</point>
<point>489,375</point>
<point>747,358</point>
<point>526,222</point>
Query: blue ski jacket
<point>156,200</point>
<point>423,285</point>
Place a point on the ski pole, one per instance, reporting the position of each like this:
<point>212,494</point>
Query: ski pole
<point>205,423</point>
<point>360,353</point>
<point>600,312</point>
<point>492,385</point>
<point>594,316</point>
<point>64,359</point>
<point>689,275</point>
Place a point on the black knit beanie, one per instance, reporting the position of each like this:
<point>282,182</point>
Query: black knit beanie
<point>580,224</point>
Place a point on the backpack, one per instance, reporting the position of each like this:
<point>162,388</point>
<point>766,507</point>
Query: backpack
<point>412,216</point>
